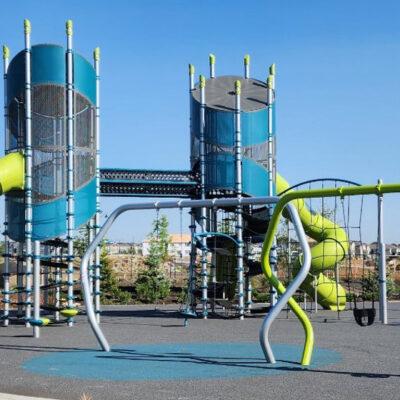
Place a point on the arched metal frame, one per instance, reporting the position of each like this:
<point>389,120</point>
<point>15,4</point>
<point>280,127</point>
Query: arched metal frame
<point>212,203</point>
<point>315,181</point>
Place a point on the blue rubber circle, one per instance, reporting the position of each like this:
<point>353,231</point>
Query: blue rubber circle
<point>154,362</point>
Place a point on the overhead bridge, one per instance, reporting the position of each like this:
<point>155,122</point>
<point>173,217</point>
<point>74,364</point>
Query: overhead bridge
<point>147,183</point>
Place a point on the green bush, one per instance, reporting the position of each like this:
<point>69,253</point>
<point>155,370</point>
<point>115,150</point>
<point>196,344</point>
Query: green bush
<point>260,297</point>
<point>370,286</point>
<point>152,285</point>
<point>111,293</point>
<point>182,296</point>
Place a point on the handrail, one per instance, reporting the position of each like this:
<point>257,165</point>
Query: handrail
<point>219,234</point>
<point>157,205</point>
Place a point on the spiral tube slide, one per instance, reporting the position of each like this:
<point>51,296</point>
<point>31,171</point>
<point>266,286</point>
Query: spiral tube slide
<point>332,247</point>
<point>12,172</point>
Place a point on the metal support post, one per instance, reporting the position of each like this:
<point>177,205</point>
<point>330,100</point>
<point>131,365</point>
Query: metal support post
<point>249,287</point>
<point>90,236</point>
<point>383,314</point>
<point>36,288</point>
<point>203,214</point>
<point>6,269</point>
<point>271,180</point>
<point>58,280</point>
<point>97,266</point>
<point>212,65</point>
<point>246,62</point>
<point>28,173</point>
<point>70,170</point>
<point>20,280</point>
<point>192,264</point>
<point>239,209</point>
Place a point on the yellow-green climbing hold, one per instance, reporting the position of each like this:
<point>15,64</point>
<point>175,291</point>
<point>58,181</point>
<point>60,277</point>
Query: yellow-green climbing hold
<point>69,312</point>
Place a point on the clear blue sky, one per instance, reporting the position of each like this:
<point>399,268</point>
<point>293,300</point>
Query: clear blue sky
<point>338,81</point>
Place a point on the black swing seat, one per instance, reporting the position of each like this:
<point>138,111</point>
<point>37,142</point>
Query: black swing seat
<point>364,316</point>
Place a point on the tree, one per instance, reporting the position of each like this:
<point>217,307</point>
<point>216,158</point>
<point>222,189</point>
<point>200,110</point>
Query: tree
<point>159,243</point>
<point>152,284</point>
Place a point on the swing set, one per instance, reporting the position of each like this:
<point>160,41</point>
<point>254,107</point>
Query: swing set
<point>339,210</point>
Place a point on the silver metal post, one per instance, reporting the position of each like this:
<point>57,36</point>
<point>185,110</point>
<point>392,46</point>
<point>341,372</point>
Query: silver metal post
<point>193,254</point>
<point>191,78</point>
<point>246,62</point>
<point>20,281</point>
<point>213,268</point>
<point>97,266</point>
<point>90,235</point>
<point>58,280</point>
<point>6,270</point>
<point>315,294</point>
<point>212,65</point>
<point>383,313</point>
<point>46,272</point>
<point>249,287</point>
<point>203,214</point>
<point>239,217</point>
<point>214,228</point>
<point>271,180</point>
<point>70,169</point>
<point>36,288</point>
<point>28,173</point>
<point>337,280</point>
<point>193,248</point>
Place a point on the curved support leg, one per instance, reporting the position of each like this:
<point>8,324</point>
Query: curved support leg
<point>287,296</point>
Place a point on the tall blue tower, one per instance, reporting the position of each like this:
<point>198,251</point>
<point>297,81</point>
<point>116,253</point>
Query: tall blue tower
<point>219,135</point>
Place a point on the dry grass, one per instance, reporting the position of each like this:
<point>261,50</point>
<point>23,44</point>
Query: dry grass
<point>85,397</point>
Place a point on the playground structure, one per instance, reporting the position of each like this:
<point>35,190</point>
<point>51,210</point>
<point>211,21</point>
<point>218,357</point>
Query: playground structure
<point>52,182</point>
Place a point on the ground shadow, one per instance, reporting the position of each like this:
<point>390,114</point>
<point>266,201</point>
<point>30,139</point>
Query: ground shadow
<point>240,362</point>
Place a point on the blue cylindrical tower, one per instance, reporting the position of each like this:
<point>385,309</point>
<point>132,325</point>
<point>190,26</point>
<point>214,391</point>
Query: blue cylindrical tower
<point>49,142</point>
<point>219,136</point>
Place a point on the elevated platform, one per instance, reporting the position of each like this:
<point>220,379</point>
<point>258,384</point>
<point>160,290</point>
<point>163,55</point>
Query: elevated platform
<point>147,183</point>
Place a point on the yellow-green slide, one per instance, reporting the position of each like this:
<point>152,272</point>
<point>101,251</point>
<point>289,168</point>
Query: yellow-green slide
<point>11,172</point>
<point>331,248</point>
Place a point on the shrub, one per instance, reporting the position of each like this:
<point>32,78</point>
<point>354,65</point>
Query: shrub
<point>152,285</point>
<point>260,297</point>
<point>110,291</point>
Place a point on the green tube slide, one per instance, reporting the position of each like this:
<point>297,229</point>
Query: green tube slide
<point>331,248</point>
<point>12,172</point>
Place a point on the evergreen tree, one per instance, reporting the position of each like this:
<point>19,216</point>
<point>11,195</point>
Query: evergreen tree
<point>159,243</point>
<point>152,284</point>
